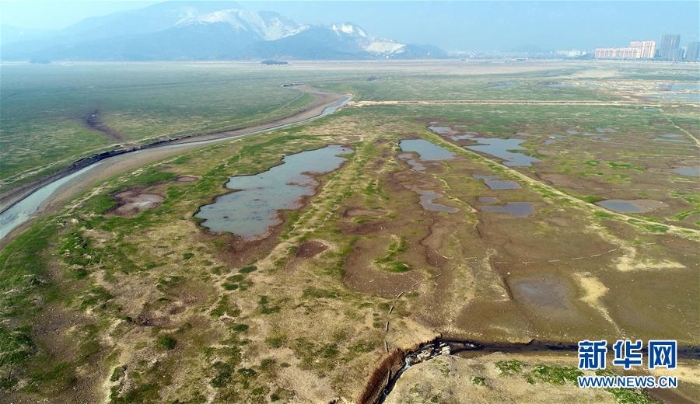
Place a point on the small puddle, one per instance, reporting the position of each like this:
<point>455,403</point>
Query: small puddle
<point>670,137</point>
<point>503,149</point>
<point>493,182</point>
<point>541,292</point>
<point>426,201</point>
<point>689,171</point>
<point>552,138</point>
<point>464,136</point>
<point>671,96</point>
<point>504,84</point>
<point>252,209</point>
<point>425,149</point>
<point>502,184</point>
<point>413,163</point>
<point>441,130</point>
<point>517,209</point>
<point>632,206</point>
<point>685,86</point>
<point>568,84</point>
<point>596,136</point>
<point>488,199</point>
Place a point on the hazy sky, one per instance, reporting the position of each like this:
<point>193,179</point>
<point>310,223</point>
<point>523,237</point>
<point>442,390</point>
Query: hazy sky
<point>452,25</point>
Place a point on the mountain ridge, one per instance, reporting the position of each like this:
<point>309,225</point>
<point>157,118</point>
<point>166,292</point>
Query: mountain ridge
<point>209,30</point>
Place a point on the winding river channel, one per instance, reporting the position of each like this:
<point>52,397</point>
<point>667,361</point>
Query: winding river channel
<point>35,203</point>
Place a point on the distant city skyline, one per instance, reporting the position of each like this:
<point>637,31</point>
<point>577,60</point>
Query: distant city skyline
<point>451,25</point>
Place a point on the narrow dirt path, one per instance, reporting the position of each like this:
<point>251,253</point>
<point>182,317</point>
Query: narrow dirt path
<point>543,187</point>
<point>690,135</point>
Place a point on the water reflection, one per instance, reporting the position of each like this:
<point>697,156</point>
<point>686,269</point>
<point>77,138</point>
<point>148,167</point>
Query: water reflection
<point>252,209</point>
<point>503,149</point>
<point>426,150</point>
<point>517,209</point>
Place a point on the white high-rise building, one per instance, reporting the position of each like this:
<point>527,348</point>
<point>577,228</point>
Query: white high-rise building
<point>647,48</point>
<point>636,50</point>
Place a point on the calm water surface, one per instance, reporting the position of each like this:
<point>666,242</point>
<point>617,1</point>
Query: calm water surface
<point>426,150</point>
<point>426,201</point>
<point>517,209</point>
<point>252,209</point>
<point>621,206</point>
<point>504,149</point>
<point>689,171</point>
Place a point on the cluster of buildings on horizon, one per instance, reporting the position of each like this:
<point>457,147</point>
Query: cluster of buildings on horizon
<point>669,50</point>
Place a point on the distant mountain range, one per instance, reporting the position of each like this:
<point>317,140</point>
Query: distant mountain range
<point>211,30</point>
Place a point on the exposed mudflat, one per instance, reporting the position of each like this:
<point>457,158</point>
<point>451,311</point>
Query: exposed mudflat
<point>310,249</point>
<point>133,202</point>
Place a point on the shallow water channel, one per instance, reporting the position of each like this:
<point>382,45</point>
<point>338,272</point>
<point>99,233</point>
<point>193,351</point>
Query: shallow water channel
<point>253,208</point>
<point>23,210</point>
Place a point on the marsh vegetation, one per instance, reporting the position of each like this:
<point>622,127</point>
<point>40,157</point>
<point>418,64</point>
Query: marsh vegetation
<point>391,249</point>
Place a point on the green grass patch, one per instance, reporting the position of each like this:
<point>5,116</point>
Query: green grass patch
<point>628,166</point>
<point>478,381</point>
<point>248,269</point>
<point>558,375</point>
<point>509,368</point>
<point>592,198</point>
<point>166,342</point>
<point>388,261</point>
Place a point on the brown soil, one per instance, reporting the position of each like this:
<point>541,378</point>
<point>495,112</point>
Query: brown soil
<point>135,201</point>
<point>187,178</point>
<point>361,274</point>
<point>310,249</point>
<point>649,205</point>
<point>355,212</point>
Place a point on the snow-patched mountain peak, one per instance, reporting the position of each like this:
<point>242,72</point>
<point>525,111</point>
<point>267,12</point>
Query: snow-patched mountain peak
<point>350,29</point>
<point>371,44</point>
<point>266,25</point>
<point>385,46</point>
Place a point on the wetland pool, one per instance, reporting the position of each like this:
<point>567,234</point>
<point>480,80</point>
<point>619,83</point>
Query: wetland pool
<point>426,201</point>
<point>413,163</point>
<point>252,208</point>
<point>689,171</point>
<point>505,149</point>
<point>631,206</point>
<point>426,150</point>
<point>502,184</point>
<point>517,209</point>
<point>493,182</point>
